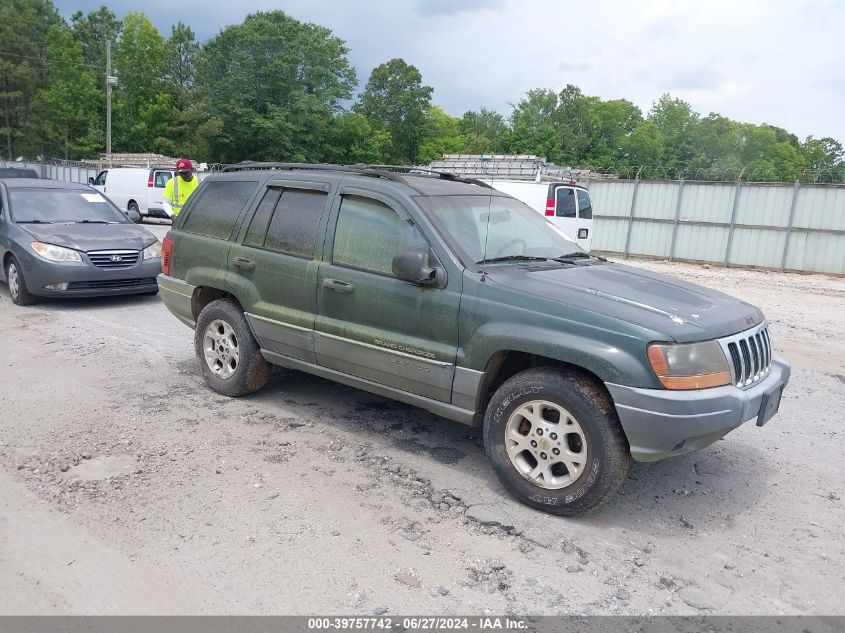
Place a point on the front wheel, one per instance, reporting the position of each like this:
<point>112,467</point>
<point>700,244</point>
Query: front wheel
<point>228,355</point>
<point>17,284</point>
<point>555,441</point>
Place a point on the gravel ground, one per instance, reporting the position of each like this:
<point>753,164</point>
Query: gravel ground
<point>127,486</point>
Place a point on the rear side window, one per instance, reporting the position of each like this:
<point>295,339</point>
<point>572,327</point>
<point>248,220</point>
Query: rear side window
<point>261,220</point>
<point>565,207</point>
<point>585,207</point>
<point>293,228</point>
<point>161,179</point>
<point>370,234</point>
<point>217,207</point>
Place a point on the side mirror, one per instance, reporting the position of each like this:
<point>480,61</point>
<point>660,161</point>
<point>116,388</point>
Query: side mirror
<point>413,266</point>
<point>90,180</point>
<point>133,215</point>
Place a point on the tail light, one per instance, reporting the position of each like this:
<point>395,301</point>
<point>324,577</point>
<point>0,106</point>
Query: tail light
<point>166,255</point>
<point>150,181</point>
<point>550,206</point>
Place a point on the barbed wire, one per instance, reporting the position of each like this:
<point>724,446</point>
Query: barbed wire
<point>834,175</point>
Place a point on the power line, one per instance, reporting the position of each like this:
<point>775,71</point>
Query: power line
<point>46,61</point>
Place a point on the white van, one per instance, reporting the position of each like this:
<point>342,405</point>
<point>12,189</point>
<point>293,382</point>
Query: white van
<point>139,188</point>
<point>565,204</point>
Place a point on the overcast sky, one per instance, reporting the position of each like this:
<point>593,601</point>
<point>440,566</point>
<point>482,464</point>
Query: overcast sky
<point>779,62</point>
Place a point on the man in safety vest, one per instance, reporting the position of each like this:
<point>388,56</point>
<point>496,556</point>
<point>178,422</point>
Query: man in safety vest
<point>179,188</point>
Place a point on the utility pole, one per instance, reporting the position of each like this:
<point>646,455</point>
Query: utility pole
<point>111,81</point>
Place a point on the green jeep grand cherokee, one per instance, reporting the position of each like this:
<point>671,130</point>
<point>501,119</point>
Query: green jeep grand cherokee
<point>446,294</point>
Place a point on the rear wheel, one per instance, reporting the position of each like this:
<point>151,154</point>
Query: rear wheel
<point>555,441</point>
<point>17,284</point>
<point>228,355</point>
<point>133,206</point>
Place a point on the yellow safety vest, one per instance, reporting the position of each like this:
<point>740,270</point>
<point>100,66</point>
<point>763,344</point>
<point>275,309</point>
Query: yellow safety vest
<point>183,188</point>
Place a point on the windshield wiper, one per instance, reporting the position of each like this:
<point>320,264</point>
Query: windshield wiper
<point>94,222</point>
<point>512,258</point>
<point>33,222</point>
<point>575,255</point>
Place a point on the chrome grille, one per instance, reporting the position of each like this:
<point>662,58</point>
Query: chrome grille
<point>750,355</point>
<point>114,260</point>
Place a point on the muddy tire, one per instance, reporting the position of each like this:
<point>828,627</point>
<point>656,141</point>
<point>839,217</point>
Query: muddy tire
<point>555,441</point>
<point>228,355</point>
<point>17,284</point>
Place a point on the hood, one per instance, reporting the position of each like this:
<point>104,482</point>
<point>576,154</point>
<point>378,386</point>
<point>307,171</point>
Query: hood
<point>684,311</point>
<point>92,237</point>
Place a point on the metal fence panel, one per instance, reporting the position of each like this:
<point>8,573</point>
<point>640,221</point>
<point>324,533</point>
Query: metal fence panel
<point>613,198</point>
<point>772,225</point>
<point>701,243</point>
<point>766,205</point>
<point>818,252</point>
<point>651,238</point>
<point>707,203</point>
<point>820,207</point>
<point>657,200</point>
<point>609,234</point>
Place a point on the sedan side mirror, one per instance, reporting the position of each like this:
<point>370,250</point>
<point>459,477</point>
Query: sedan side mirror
<point>90,180</point>
<point>413,266</point>
<point>133,215</point>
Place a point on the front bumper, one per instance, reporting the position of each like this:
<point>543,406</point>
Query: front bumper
<point>86,280</point>
<point>660,423</point>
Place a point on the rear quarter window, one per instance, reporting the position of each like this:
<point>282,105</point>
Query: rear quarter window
<point>216,208</point>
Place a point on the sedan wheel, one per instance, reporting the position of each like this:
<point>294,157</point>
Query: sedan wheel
<point>17,284</point>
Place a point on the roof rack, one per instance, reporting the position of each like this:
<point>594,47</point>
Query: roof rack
<point>388,172</point>
<point>424,171</point>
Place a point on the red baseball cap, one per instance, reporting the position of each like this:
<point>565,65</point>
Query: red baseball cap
<point>183,164</point>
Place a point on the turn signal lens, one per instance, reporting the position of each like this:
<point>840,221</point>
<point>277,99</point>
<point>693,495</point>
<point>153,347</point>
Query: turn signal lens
<point>689,365</point>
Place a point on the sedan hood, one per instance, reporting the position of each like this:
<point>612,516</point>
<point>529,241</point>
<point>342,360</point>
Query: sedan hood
<point>92,237</point>
<point>681,310</point>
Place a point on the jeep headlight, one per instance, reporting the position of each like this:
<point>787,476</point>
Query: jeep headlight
<point>689,365</point>
<point>153,250</point>
<point>54,253</point>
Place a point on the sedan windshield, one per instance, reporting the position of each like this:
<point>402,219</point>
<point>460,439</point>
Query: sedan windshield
<point>61,206</point>
<point>487,228</point>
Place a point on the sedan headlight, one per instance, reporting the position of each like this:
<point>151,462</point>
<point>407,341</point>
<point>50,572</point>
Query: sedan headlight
<point>153,250</point>
<point>689,365</point>
<point>55,253</point>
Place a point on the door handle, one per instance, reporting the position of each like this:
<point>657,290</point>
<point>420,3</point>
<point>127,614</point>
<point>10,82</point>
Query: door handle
<point>338,286</point>
<point>244,264</point>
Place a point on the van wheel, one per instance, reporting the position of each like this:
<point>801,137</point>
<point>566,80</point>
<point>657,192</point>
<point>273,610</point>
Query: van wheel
<point>555,441</point>
<point>133,206</point>
<point>17,284</point>
<point>228,355</point>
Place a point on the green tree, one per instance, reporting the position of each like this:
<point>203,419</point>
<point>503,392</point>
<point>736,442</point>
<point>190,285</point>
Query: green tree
<point>64,111</point>
<point>352,139</point>
<point>534,125</point>
<point>609,124</point>
<point>642,148</point>
<point>396,100</point>
<point>275,85</point>
<point>23,29</point>
<point>443,136</point>
<point>91,30</point>
<point>182,51</point>
<point>485,132</point>
<point>140,64</point>
<point>677,123</point>
<point>823,154</point>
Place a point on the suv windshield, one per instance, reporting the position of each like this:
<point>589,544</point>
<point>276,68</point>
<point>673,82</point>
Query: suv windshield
<point>62,205</point>
<point>511,230</point>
